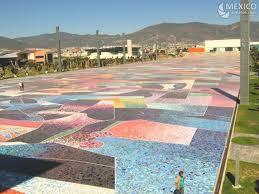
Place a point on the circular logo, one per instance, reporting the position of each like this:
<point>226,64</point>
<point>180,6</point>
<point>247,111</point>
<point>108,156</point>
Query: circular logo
<point>221,11</point>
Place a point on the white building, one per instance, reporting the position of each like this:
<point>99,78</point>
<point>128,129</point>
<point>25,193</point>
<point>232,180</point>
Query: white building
<point>31,56</point>
<point>112,51</point>
<point>129,48</point>
<point>225,45</point>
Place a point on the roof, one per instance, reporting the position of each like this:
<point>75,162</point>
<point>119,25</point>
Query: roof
<point>9,55</point>
<point>25,51</point>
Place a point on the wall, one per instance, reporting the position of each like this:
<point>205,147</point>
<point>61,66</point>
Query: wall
<point>40,56</point>
<point>196,50</point>
<point>31,56</point>
<point>220,45</point>
<point>210,44</point>
<point>107,55</point>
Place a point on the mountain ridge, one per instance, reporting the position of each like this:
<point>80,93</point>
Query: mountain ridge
<point>164,33</point>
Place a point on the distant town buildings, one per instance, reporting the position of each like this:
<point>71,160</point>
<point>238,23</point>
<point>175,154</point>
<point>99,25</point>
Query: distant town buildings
<point>36,56</point>
<point>106,52</point>
<point>43,56</point>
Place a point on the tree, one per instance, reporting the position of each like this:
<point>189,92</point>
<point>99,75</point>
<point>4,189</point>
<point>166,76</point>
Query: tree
<point>254,53</point>
<point>2,72</point>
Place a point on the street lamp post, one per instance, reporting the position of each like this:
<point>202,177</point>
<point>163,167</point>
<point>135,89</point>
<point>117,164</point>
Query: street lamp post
<point>237,170</point>
<point>98,48</point>
<point>59,48</point>
<point>244,53</point>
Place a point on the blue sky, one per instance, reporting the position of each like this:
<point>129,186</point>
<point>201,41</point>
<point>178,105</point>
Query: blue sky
<point>33,17</point>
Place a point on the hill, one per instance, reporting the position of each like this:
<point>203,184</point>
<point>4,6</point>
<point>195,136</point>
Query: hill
<point>191,32</point>
<point>8,43</point>
<point>164,33</point>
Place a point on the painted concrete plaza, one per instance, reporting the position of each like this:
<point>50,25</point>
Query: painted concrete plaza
<point>128,128</point>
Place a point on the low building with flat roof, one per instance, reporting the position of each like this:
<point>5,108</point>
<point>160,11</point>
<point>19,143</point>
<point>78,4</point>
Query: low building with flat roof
<point>112,52</point>
<point>225,45</point>
<point>9,58</point>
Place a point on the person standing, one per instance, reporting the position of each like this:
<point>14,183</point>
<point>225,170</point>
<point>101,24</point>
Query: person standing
<point>179,183</point>
<point>21,85</point>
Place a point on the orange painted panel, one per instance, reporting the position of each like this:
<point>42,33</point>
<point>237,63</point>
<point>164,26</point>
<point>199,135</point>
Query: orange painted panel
<point>40,56</point>
<point>196,50</point>
<point>10,191</point>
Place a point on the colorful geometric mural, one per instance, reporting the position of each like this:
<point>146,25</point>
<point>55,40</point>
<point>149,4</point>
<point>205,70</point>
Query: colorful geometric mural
<point>128,128</point>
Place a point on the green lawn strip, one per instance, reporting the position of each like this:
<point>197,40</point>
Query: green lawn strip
<point>247,122</point>
<point>249,174</point>
<point>248,115</point>
<point>247,119</point>
<point>246,140</point>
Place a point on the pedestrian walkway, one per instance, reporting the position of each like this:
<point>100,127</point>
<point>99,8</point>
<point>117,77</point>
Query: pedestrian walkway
<point>237,134</point>
<point>247,153</point>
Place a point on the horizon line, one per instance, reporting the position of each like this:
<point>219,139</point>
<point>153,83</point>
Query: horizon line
<point>114,34</point>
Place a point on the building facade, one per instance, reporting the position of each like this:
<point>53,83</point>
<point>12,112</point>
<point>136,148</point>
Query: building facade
<point>225,45</point>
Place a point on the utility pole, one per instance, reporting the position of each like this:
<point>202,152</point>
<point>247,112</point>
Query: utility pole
<point>98,48</point>
<point>59,49</point>
<point>156,51</point>
<point>156,47</point>
<point>142,54</point>
<point>244,53</point>
<point>124,49</point>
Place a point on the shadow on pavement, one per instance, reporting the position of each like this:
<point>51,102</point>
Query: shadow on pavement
<point>26,166</point>
<point>234,98</point>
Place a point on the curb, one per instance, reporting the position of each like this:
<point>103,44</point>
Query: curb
<point>223,164</point>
